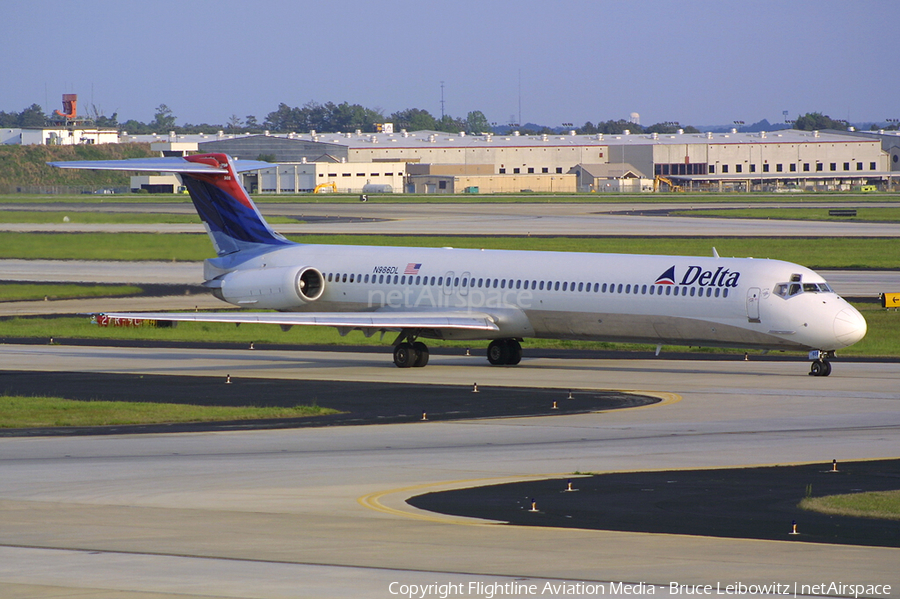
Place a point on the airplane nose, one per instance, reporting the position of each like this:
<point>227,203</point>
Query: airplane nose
<point>849,326</point>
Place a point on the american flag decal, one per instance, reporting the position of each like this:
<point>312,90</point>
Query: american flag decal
<point>412,268</point>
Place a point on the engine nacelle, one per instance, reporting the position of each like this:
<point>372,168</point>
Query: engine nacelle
<point>280,288</point>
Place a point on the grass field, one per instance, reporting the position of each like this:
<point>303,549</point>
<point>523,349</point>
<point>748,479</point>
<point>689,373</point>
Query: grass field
<point>127,218</point>
<point>17,292</point>
<point>881,504</point>
<point>400,198</point>
<point>847,252</point>
<point>33,412</point>
<point>863,214</point>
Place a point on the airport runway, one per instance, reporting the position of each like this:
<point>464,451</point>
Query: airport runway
<point>322,512</point>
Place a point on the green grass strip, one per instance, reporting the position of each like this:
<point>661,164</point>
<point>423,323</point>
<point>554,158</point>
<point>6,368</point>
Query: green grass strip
<point>844,252</point>
<point>808,214</point>
<point>110,218</point>
<point>16,292</point>
<point>500,198</point>
<point>883,505</point>
<point>33,412</point>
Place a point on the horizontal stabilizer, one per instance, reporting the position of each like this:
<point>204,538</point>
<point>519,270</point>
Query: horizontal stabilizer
<point>166,165</point>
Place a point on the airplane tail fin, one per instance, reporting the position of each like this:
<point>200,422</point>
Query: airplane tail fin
<point>231,218</point>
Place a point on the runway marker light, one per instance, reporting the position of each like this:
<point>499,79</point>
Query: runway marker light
<point>555,407</point>
<point>746,356</point>
<point>475,388</point>
<point>467,352</point>
<point>570,395</point>
<point>794,528</point>
<point>251,345</point>
<point>227,379</point>
<point>569,488</point>
<point>834,466</point>
<point>424,416</point>
<point>533,505</point>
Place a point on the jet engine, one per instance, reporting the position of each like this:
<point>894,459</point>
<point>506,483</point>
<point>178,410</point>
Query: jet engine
<point>279,288</point>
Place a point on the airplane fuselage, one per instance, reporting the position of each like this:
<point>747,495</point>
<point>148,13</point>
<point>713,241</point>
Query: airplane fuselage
<point>734,302</point>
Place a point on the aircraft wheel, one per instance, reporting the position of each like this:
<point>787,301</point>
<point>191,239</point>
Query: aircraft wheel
<point>404,355</point>
<point>515,352</point>
<point>421,351</point>
<point>820,368</point>
<point>498,352</point>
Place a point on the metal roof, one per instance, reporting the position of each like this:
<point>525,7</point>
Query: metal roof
<point>422,139</point>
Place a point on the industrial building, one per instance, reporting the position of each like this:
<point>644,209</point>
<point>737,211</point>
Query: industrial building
<point>447,163</point>
<point>427,162</point>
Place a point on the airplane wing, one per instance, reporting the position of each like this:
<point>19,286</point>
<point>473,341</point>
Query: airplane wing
<point>395,320</point>
<point>167,165</point>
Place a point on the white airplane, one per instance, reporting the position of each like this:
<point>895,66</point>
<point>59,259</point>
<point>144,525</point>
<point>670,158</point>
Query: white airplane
<point>501,296</point>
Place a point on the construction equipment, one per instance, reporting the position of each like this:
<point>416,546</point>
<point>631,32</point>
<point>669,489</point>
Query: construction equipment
<point>326,186</point>
<point>667,181</point>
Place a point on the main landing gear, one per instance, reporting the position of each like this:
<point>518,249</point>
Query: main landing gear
<point>410,354</point>
<point>820,366</point>
<point>506,352</point>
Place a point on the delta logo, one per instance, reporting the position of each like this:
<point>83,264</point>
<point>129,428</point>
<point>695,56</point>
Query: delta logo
<point>695,275</point>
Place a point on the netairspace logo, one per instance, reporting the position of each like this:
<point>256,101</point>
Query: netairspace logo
<point>430,297</point>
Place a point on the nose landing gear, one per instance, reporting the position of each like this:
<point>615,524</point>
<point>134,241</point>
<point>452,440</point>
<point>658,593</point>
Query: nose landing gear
<point>820,366</point>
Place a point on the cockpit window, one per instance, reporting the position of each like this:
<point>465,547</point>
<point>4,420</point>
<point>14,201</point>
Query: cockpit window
<point>791,289</point>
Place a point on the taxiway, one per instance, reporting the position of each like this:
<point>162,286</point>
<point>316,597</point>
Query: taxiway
<point>322,512</point>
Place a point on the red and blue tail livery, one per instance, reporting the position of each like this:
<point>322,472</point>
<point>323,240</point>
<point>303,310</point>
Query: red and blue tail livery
<point>231,218</point>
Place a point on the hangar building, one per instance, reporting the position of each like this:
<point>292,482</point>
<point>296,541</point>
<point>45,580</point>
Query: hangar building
<point>434,162</point>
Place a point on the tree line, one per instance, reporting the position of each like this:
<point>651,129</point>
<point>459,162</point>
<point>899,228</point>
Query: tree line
<point>345,117</point>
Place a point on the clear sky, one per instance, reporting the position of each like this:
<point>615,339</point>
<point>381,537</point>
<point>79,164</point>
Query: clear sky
<point>698,62</point>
